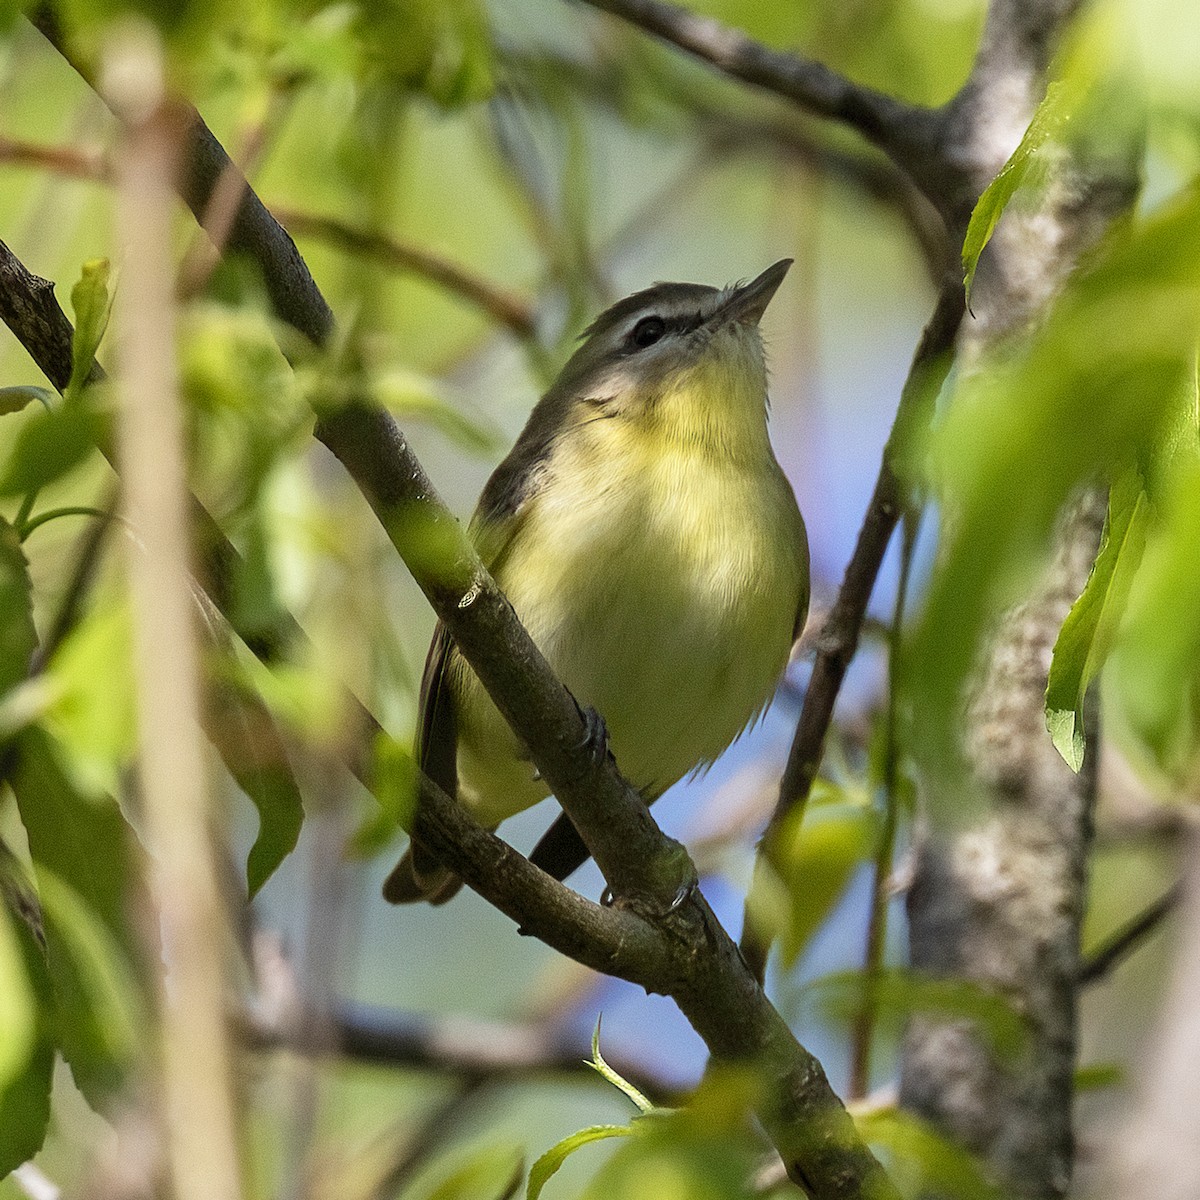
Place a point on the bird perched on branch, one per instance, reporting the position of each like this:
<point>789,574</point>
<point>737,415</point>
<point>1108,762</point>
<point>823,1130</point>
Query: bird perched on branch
<point>652,547</point>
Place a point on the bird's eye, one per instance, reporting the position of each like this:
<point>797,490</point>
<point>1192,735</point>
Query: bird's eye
<point>647,331</point>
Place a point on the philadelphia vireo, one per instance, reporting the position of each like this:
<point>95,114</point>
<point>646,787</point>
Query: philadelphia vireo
<point>652,547</point>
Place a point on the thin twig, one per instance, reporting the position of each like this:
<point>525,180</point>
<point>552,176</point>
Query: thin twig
<point>682,950</point>
<point>907,133</point>
<point>1118,946</point>
<point>62,160</point>
<point>71,604</point>
<point>863,1032</point>
<point>500,304</point>
<point>468,1048</point>
<point>840,636</point>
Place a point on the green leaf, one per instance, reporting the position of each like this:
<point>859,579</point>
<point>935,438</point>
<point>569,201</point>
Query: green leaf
<point>100,1019</point>
<point>92,712</point>
<point>92,305</point>
<point>393,784</point>
<point>1087,634</point>
<point>1154,671</point>
<point>549,1163</point>
<point>693,1153</point>
<point>1091,391</point>
<point>18,1010</point>
<point>818,852</point>
<point>81,851</point>
<point>1047,120</point>
<point>49,445</point>
<point>491,1173</point>
<point>244,733</point>
<point>25,1079</point>
<point>18,638</point>
<point>899,992</point>
<point>921,1161</point>
<point>606,1072</point>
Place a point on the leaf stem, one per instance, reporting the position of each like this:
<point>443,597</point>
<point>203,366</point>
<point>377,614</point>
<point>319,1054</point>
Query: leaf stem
<point>27,526</point>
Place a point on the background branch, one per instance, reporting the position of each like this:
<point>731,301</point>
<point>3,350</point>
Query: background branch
<point>906,133</point>
<point>703,971</point>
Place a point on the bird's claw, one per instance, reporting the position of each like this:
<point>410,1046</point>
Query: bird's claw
<point>595,735</point>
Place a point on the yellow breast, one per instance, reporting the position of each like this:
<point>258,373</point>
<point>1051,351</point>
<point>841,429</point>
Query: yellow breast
<point>662,582</point>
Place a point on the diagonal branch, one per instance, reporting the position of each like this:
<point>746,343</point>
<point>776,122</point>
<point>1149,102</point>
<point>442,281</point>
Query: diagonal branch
<point>907,133</point>
<point>685,952</point>
<point>500,304</point>
<point>839,637</point>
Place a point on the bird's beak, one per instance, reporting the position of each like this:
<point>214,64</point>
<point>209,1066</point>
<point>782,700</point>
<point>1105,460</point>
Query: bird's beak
<point>748,303</point>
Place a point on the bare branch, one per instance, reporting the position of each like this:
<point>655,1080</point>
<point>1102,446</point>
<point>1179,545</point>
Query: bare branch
<point>1115,949</point>
<point>839,637</point>
<point>905,132</point>
<point>686,953</point>
<point>471,1049</point>
<point>63,160</point>
<point>502,305</point>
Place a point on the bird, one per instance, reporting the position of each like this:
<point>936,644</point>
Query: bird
<point>647,538</point>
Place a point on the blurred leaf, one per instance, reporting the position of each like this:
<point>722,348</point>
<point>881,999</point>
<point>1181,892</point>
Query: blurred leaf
<point>439,47</point>
<point>1097,1077</point>
<point>25,1108</point>
<point>491,1173</point>
<point>83,842</point>
<point>549,1163</point>
<point>818,851</point>
<point>92,712</point>
<point>18,1010</point>
<point>245,735</point>
<point>49,445</point>
<point>921,1161</point>
<point>1047,120</point>
<point>393,784</point>
<point>694,1153</point>
<point>256,609</point>
<point>1155,666</point>
<point>81,857</point>
<point>1092,392</point>
<point>92,305</point>
<point>100,1025</point>
<point>1088,632</point>
<point>14,399</point>
<point>898,993</point>
<point>26,1049</point>
<point>18,638</point>
<point>407,394</point>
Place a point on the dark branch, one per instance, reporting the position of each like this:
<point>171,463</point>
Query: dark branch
<point>685,953</point>
<point>1121,944</point>
<point>499,304</point>
<point>503,306</point>
<point>838,640</point>
<point>470,1049</point>
<point>907,133</point>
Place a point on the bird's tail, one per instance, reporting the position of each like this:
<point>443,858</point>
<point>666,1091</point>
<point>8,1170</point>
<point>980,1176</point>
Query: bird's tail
<point>419,877</point>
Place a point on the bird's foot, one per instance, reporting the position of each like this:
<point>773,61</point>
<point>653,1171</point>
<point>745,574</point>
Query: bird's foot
<point>679,882</point>
<point>595,735</point>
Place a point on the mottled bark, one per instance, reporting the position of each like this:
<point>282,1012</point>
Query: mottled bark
<point>998,899</point>
<point>1000,902</point>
